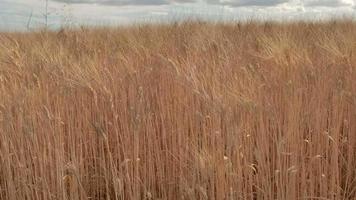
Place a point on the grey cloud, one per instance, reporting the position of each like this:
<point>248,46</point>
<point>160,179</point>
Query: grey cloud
<point>125,2</point>
<point>266,3</point>
<point>240,3</point>
<point>232,3</point>
<point>325,3</point>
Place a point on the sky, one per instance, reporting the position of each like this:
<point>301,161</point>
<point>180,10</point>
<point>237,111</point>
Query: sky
<point>31,14</point>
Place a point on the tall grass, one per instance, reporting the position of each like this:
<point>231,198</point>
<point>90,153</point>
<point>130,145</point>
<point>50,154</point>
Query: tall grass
<point>181,111</point>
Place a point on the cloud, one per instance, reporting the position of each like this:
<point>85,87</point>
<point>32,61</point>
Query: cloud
<point>327,3</point>
<point>245,3</point>
<point>14,14</point>
<point>125,2</point>
<point>231,3</point>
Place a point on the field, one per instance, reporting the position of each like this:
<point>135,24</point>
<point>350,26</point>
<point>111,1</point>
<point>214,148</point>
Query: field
<point>191,110</point>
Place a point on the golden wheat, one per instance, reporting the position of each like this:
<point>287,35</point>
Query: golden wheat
<point>183,111</point>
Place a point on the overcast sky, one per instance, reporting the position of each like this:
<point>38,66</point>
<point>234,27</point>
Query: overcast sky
<point>24,14</point>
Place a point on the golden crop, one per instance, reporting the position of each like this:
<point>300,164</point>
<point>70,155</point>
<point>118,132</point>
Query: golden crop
<point>181,111</point>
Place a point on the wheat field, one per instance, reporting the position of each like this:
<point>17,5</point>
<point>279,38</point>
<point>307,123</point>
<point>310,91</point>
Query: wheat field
<point>193,110</point>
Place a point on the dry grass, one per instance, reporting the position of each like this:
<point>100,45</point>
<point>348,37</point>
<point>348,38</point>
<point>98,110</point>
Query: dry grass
<point>181,111</point>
